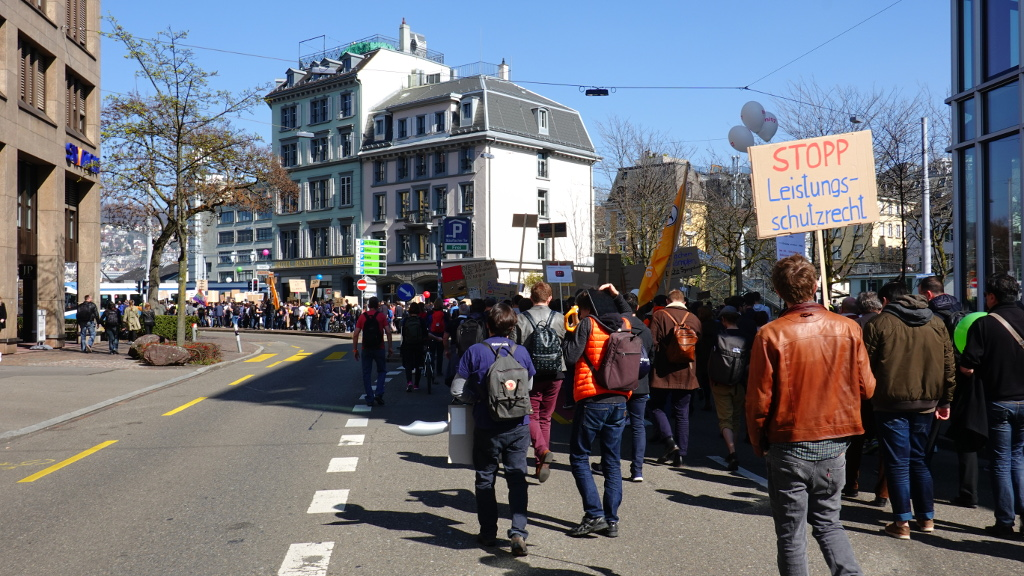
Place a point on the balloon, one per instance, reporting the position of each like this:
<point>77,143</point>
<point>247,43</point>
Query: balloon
<point>266,252</point>
<point>752,115</point>
<point>960,332</point>
<point>239,269</point>
<point>740,138</point>
<point>421,428</point>
<point>426,294</point>
<point>319,276</point>
<point>771,124</point>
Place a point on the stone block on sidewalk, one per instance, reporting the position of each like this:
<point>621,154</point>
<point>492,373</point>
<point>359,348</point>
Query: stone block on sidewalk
<point>140,343</point>
<point>165,355</point>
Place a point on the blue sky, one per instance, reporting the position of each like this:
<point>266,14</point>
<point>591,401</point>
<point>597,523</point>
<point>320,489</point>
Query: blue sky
<point>725,43</point>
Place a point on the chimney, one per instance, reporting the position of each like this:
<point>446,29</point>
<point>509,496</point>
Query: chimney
<point>503,70</point>
<point>404,37</point>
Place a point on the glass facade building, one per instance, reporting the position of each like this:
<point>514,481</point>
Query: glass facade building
<point>987,111</point>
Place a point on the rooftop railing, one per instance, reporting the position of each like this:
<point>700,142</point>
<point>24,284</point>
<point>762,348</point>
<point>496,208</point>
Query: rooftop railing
<point>364,45</point>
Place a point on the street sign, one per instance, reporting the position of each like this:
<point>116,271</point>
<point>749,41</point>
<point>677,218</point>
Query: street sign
<point>371,257</point>
<point>362,284</point>
<point>456,234</point>
<point>263,266</point>
<point>406,292</point>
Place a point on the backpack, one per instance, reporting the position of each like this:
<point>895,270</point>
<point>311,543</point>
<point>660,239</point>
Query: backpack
<point>111,319</point>
<point>508,393</point>
<point>681,345</point>
<point>437,322</point>
<point>373,336</point>
<point>621,361</point>
<point>471,331</point>
<point>544,345</point>
<point>729,360</point>
<point>412,331</point>
<point>85,313</point>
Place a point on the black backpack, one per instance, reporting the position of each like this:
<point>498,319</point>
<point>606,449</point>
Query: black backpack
<point>373,336</point>
<point>508,386</point>
<point>471,331</point>
<point>412,331</point>
<point>86,312</point>
<point>544,345</point>
<point>112,319</point>
<point>729,360</point>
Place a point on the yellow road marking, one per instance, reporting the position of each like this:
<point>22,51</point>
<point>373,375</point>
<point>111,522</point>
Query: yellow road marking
<point>275,364</point>
<point>71,460</point>
<point>261,358</point>
<point>298,356</point>
<point>296,347</point>
<point>183,406</point>
<point>242,379</point>
<point>335,355</point>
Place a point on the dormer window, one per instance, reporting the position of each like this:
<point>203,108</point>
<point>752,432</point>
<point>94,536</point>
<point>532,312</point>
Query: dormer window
<point>467,109</point>
<point>542,120</point>
<point>379,127</point>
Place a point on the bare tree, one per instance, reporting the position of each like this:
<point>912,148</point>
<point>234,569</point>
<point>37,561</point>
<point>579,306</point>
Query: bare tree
<point>172,153</point>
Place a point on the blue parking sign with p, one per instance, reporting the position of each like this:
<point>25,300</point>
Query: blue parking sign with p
<point>456,234</point>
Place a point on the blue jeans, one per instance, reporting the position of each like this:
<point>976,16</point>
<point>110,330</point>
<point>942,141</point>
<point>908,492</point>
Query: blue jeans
<point>606,422</point>
<point>802,492</point>
<point>679,429</point>
<point>636,407</point>
<point>113,338</point>
<point>509,448</point>
<point>87,335</point>
<point>1006,440</point>
<point>369,358</point>
<point>903,437</point>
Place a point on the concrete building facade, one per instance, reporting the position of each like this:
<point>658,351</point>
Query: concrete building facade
<point>49,161</point>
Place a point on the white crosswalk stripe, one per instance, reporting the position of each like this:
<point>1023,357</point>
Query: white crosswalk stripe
<point>357,423</point>
<point>307,559</point>
<point>352,440</point>
<point>345,464</point>
<point>362,408</point>
<point>328,502</point>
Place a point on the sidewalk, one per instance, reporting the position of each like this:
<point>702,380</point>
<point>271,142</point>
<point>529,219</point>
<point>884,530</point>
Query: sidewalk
<point>41,388</point>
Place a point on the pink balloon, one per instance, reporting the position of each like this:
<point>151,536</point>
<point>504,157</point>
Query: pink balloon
<point>426,294</point>
<point>266,252</point>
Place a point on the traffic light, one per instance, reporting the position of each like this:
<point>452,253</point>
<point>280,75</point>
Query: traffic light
<point>254,285</point>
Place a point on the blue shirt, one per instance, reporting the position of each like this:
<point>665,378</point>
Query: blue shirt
<point>470,381</point>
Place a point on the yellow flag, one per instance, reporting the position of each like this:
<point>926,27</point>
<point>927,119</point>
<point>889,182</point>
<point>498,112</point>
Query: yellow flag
<point>666,246</point>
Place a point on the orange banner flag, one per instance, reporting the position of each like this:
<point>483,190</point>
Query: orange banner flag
<point>666,246</point>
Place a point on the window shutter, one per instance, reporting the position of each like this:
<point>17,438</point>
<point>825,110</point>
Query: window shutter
<point>40,84</point>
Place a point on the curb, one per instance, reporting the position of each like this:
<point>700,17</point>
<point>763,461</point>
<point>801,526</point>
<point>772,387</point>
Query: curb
<point>335,335</point>
<point>101,405</point>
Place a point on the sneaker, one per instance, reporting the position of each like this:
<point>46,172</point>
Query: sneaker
<point>379,400</point>
<point>369,401</point>
<point>897,531</point>
<point>927,525</point>
<point>1000,530</point>
<point>732,462</point>
<point>485,540</point>
<point>544,465</point>
<point>518,545</point>
<point>612,531</point>
<point>589,526</point>
<point>408,388</point>
<point>880,502</point>
<point>636,478</point>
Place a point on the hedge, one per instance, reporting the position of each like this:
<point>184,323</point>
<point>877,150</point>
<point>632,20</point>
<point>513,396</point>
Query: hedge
<point>167,326</point>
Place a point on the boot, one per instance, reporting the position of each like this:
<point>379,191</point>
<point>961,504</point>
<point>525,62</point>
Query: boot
<point>671,452</point>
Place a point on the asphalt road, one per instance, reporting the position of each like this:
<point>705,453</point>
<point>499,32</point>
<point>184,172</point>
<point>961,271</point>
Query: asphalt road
<point>278,471</point>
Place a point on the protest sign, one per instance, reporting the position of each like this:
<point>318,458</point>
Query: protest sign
<point>686,262</point>
<point>814,184</point>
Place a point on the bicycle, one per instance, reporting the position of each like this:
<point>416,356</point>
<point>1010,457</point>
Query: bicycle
<point>428,368</point>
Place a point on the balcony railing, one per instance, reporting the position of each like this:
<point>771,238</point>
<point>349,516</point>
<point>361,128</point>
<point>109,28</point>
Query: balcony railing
<point>362,46</point>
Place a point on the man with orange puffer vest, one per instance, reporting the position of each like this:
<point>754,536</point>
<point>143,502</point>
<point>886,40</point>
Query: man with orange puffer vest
<point>600,412</point>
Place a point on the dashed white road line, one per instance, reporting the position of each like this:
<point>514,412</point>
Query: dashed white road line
<point>357,423</point>
<point>307,559</point>
<point>743,472</point>
<point>362,408</point>
<point>352,440</point>
<point>344,464</point>
<point>328,502</point>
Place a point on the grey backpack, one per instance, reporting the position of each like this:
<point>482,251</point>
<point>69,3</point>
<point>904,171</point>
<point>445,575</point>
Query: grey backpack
<point>508,385</point>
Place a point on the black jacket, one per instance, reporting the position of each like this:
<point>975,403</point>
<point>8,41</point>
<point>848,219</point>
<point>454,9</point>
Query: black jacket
<point>995,356</point>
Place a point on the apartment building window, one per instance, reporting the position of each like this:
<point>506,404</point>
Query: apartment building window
<point>439,121</point>
<point>422,206</point>
<point>347,246</point>
<point>466,196</point>
<point>346,144</point>
<point>378,127</point>
<point>379,175</point>
<point>404,205</point>
<point>319,149</point>
<point>319,195</point>
<point>425,246</point>
<point>227,217</point>
<point>289,203</point>
<point>226,237</point>
<point>289,154</point>
<point>402,168</point>
<point>289,117</point>
<point>440,200</point>
<point>441,163</point>
<point>466,156</point>
<point>289,243</point>
<point>244,235</point>
<point>542,203</point>
<point>76,19</point>
<point>264,234</point>
<point>224,257</point>
<point>345,105</point>
<point>32,75</point>
<point>403,128</point>
<point>421,125</point>
<point>421,165</point>
<point>542,249</point>
<point>264,215</point>
<point>345,190</point>
<point>319,241</point>
<point>467,113</point>
<point>74,103</point>
<point>380,206</point>
<point>244,215</point>
<point>318,110</point>
<point>542,164</point>
<point>542,121</point>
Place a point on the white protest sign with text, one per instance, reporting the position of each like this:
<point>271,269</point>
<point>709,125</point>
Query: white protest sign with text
<point>814,184</point>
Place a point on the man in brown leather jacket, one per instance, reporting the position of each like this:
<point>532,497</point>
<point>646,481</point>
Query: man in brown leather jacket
<point>809,371</point>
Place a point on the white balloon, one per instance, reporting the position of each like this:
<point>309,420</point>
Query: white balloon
<point>752,115</point>
<point>771,125</point>
<point>421,428</point>
<point>740,138</point>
